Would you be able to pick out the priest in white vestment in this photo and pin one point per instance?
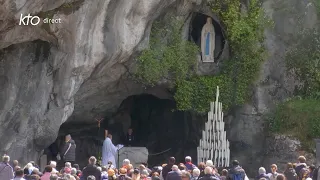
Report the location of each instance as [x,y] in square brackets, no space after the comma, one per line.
[109,151]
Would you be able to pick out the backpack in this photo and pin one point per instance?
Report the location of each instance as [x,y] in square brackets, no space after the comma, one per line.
[237,176]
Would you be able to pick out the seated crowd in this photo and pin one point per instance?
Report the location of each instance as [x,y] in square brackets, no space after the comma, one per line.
[170,171]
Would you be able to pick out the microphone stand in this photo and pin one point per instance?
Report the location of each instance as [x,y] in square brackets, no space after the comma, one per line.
[118,164]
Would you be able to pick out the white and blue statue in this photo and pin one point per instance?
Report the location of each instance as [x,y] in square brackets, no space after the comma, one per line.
[208,41]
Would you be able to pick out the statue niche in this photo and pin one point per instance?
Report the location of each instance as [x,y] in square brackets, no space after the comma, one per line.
[208,41]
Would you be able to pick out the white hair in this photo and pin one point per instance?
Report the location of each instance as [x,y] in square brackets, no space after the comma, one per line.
[196,172]
[262,170]
[175,168]
[53,164]
[208,170]
[126,162]
[209,163]
[29,165]
[67,164]
[36,170]
[187,158]
[99,168]
[6,158]
[73,171]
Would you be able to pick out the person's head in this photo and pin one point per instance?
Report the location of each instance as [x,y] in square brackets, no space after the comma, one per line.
[209,20]
[99,168]
[54,177]
[130,131]
[235,163]
[187,159]
[5,159]
[19,173]
[224,172]
[123,171]
[209,163]
[201,165]
[302,159]
[48,169]
[15,162]
[67,170]
[35,171]
[274,168]
[125,162]
[175,168]
[262,170]
[172,160]
[136,171]
[185,175]
[29,165]
[196,172]
[312,168]
[289,165]
[53,164]
[155,174]
[67,164]
[35,177]
[76,166]
[144,173]
[92,160]
[68,138]
[280,177]
[91,177]
[129,167]
[104,168]
[181,166]
[111,172]
[208,170]
[16,168]
[142,167]
[73,171]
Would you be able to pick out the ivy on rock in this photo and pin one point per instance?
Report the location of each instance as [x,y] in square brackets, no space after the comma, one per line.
[169,57]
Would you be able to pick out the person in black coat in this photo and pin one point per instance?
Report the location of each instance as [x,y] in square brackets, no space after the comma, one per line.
[130,139]
[91,169]
[68,150]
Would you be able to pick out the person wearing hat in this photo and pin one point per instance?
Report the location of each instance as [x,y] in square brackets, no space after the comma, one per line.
[123,174]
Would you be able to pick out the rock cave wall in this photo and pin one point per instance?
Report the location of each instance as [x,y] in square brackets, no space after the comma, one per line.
[80,69]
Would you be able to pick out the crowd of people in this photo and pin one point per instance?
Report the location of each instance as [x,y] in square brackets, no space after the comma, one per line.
[170,171]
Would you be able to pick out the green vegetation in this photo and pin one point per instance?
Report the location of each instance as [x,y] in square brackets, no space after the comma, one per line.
[299,118]
[175,59]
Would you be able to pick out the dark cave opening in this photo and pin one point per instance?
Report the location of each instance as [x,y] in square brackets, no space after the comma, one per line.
[158,126]
[198,21]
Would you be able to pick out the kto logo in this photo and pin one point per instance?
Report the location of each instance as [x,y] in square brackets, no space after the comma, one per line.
[34,20]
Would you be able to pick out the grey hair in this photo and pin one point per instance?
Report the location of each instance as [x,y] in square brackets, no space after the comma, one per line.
[262,170]
[196,172]
[54,177]
[188,158]
[73,171]
[209,163]
[68,135]
[175,168]
[126,162]
[36,170]
[6,158]
[53,164]
[67,164]
[91,178]
[99,168]
[208,170]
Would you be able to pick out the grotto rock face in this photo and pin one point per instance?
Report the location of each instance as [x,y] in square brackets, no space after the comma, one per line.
[78,64]
[248,127]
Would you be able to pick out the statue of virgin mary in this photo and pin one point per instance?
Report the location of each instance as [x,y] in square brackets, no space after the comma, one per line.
[208,41]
